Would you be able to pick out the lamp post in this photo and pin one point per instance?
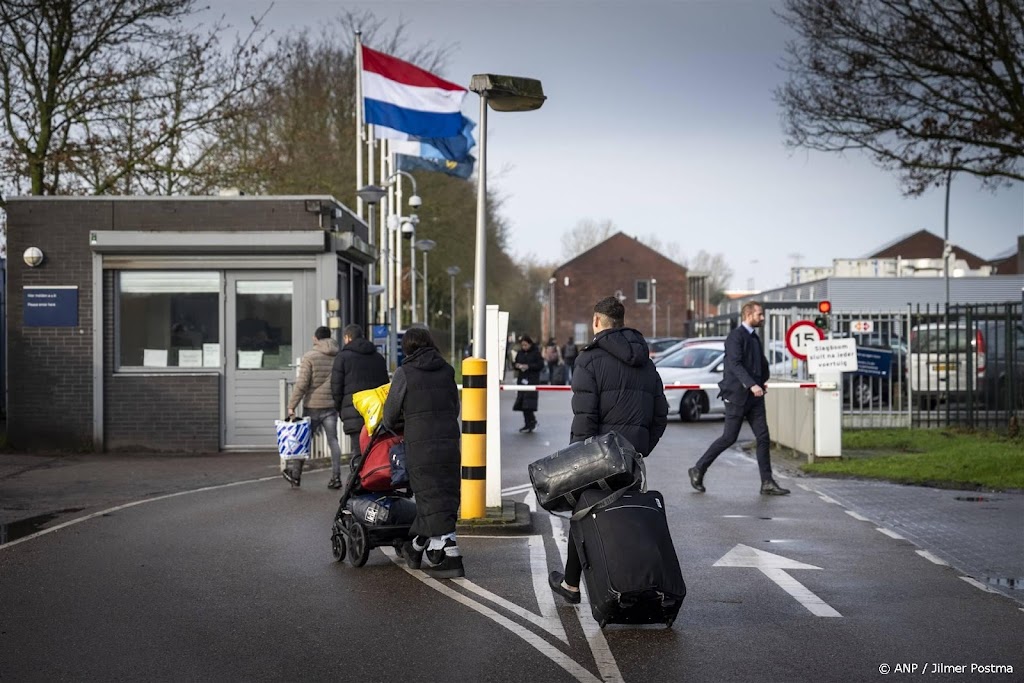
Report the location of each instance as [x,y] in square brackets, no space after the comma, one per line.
[452,272]
[654,307]
[503,93]
[405,226]
[468,284]
[552,320]
[946,249]
[409,233]
[425,246]
[371,195]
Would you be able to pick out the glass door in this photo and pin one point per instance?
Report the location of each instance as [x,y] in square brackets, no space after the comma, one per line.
[264,342]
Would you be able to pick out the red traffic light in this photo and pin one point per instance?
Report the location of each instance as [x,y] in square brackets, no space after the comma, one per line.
[825,307]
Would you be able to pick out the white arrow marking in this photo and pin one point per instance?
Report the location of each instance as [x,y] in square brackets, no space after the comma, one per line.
[773,566]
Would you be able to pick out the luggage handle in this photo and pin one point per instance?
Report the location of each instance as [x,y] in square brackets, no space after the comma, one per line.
[639,477]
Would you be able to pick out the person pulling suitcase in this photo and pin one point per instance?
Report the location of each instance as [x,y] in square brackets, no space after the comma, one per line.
[617,358]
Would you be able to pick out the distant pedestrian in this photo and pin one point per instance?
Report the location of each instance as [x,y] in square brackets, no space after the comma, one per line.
[313,389]
[552,360]
[423,403]
[569,353]
[742,389]
[357,367]
[528,366]
[616,388]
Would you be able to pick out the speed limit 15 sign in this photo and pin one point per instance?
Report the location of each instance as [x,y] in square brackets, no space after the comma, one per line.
[799,335]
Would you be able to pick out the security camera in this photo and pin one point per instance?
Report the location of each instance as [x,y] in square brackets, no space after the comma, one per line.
[415,201]
[408,229]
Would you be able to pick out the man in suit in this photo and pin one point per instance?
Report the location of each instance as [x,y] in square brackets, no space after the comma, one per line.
[742,389]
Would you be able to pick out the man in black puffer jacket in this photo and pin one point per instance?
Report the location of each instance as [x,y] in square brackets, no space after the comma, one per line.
[357,367]
[615,388]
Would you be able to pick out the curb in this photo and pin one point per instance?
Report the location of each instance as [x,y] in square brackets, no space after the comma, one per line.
[511,519]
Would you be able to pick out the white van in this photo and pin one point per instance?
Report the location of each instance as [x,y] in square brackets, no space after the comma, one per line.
[945,360]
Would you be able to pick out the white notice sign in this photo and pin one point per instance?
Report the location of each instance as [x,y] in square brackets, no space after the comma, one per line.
[831,355]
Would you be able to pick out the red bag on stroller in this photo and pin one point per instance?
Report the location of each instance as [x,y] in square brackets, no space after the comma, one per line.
[375,474]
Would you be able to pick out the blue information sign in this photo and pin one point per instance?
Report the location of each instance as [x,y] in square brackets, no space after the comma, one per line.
[874,362]
[51,306]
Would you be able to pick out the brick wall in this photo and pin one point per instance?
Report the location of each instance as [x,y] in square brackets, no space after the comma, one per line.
[616,264]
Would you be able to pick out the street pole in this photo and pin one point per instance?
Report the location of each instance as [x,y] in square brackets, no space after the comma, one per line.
[552,320]
[654,307]
[452,272]
[480,260]
[945,241]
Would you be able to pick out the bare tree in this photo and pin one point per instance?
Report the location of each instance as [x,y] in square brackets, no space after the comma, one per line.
[715,267]
[115,95]
[587,234]
[921,86]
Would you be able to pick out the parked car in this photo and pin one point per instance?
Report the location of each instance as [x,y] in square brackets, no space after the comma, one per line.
[659,345]
[688,341]
[693,364]
[704,363]
[952,362]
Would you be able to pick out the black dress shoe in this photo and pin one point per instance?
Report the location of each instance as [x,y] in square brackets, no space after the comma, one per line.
[555,581]
[525,428]
[770,488]
[696,479]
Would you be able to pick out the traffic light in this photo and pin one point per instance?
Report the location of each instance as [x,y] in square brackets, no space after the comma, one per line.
[821,321]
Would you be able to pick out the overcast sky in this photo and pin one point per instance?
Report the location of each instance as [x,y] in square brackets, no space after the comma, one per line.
[660,118]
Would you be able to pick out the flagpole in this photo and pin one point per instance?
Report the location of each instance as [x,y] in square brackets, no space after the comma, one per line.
[359,128]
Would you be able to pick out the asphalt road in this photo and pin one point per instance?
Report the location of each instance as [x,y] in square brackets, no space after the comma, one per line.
[237,583]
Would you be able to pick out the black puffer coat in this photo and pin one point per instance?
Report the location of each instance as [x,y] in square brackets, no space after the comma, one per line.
[424,395]
[616,388]
[527,400]
[357,367]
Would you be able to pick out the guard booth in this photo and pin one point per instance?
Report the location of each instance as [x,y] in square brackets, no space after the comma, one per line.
[168,323]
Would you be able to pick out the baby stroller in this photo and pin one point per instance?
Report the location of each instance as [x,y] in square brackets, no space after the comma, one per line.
[375,507]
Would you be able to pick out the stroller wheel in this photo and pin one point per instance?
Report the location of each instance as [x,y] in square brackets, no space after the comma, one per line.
[360,548]
[337,543]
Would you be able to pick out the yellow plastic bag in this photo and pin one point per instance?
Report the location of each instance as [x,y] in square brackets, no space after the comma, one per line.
[370,404]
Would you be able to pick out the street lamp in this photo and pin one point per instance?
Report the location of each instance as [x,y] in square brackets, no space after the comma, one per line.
[403,226]
[946,248]
[371,195]
[552,320]
[452,272]
[503,93]
[468,284]
[654,307]
[425,246]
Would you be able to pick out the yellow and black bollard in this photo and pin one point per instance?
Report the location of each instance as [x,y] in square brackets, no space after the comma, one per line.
[474,438]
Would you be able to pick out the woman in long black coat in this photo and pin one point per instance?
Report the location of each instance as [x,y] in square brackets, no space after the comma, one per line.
[425,398]
[528,365]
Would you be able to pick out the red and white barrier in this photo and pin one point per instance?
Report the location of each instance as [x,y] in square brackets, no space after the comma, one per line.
[561,387]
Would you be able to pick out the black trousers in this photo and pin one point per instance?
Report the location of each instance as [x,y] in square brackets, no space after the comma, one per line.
[573,566]
[753,412]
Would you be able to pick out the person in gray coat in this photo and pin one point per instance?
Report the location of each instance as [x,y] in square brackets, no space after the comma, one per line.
[313,389]
[423,403]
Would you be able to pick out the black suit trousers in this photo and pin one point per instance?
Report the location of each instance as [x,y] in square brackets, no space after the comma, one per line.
[753,411]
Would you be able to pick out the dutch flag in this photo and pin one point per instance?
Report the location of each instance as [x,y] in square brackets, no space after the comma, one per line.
[404,97]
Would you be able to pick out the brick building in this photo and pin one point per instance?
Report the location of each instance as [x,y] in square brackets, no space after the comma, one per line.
[654,289]
[168,323]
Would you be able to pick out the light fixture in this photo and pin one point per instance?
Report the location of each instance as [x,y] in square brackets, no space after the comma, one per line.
[371,194]
[33,257]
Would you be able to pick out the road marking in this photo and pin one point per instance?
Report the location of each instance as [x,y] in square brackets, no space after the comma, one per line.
[512,490]
[860,518]
[828,500]
[773,566]
[538,643]
[606,664]
[125,506]
[890,534]
[735,516]
[980,586]
[931,558]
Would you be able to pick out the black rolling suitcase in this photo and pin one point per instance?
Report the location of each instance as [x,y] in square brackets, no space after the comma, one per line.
[629,561]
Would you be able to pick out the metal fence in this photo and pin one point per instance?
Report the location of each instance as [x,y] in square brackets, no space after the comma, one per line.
[922,367]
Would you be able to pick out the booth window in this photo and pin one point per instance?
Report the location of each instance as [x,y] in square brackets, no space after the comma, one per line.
[168,319]
[263,328]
